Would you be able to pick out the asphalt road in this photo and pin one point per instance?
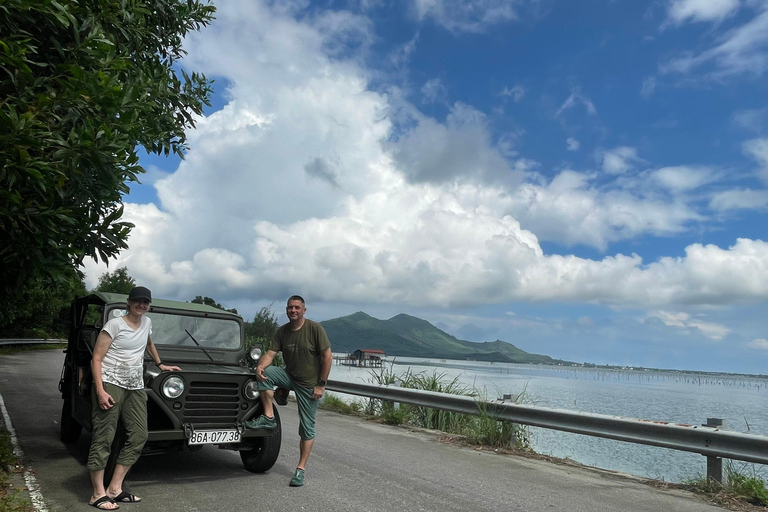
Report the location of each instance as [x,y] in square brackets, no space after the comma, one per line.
[355,466]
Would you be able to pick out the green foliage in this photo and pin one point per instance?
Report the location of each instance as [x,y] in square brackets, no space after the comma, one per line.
[116,282]
[742,483]
[263,344]
[83,86]
[333,403]
[211,302]
[11,500]
[41,308]
[481,429]
[264,324]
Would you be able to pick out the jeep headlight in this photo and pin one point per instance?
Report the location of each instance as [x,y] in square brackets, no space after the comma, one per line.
[173,387]
[255,354]
[251,390]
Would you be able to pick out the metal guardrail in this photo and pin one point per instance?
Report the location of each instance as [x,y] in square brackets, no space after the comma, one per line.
[713,442]
[30,341]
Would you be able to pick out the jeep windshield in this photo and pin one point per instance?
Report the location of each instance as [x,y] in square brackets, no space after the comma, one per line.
[179,330]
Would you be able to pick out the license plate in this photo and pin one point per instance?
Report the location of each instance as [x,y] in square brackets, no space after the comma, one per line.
[214,437]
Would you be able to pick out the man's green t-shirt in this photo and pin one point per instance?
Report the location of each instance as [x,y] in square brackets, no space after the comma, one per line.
[302,351]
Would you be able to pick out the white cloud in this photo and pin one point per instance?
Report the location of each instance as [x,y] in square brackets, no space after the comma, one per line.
[516,93]
[683,178]
[758,149]
[743,49]
[298,183]
[759,343]
[434,90]
[474,16]
[619,160]
[572,144]
[572,210]
[680,11]
[736,199]
[574,99]
[711,330]
[459,149]
[648,87]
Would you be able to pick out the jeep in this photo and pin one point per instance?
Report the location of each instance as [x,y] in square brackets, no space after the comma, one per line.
[204,404]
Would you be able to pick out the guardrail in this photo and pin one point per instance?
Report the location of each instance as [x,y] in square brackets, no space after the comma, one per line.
[711,441]
[30,341]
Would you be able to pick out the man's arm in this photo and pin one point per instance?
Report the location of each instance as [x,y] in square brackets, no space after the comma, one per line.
[325,371]
[265,361]
[152,349]
[103,343]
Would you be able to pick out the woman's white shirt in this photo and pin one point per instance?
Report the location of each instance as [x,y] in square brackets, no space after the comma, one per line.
[123,365]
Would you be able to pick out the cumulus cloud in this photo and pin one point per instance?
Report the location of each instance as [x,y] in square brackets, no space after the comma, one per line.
[299,183]
[680,11]
[462,148]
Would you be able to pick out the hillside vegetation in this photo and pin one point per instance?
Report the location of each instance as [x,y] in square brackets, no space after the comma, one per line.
[408,336]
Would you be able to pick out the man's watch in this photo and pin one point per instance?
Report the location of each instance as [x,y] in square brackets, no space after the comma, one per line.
[322,383]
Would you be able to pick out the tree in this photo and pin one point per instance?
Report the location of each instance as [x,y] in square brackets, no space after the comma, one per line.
[84,85]
[211,302]
[116,282]
[264,325]
[41,310]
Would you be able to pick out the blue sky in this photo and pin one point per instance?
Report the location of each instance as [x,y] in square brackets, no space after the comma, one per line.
[586,180]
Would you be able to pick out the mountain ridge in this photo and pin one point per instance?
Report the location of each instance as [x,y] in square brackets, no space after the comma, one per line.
[409,336]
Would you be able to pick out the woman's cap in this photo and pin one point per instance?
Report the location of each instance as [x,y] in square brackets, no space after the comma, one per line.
[140,292]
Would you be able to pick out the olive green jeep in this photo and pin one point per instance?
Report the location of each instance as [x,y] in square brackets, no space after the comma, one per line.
[204,404]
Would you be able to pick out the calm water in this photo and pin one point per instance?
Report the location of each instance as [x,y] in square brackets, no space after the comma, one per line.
[663,396]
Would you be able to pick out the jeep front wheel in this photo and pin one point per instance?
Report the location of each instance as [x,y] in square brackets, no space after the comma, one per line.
[263,451]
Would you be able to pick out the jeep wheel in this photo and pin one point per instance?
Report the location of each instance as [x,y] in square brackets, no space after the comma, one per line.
[69,428]
[264,450]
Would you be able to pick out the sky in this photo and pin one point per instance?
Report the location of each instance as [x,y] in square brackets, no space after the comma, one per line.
[586,180]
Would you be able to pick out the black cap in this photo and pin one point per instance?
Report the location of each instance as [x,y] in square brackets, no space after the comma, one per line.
[140,292]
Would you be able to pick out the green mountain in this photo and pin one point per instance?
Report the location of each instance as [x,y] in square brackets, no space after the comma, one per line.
[408,336]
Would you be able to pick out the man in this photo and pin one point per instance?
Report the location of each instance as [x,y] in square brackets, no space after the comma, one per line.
[308,359]
[118,392]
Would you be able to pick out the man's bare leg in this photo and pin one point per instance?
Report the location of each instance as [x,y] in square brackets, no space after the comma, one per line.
[97,481]
[266,401]
[305,448]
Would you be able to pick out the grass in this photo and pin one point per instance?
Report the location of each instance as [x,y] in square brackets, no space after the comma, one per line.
[11,500]
[481,429]
[742,484]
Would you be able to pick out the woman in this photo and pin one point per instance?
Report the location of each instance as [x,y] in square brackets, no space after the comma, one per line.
[118,393]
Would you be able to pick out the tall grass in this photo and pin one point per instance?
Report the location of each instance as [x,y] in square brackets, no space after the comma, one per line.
[481,429]
[741,483]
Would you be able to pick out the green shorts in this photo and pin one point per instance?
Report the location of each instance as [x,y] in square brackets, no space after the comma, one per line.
[307,405]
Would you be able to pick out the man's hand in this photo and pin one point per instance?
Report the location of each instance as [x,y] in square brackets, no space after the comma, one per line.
[105,400]
[168,368]
[317,392]
[260,374]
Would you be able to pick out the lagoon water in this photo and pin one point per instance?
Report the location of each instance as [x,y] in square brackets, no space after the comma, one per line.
[742,401]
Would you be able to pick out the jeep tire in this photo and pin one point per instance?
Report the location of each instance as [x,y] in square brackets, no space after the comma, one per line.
[264,450]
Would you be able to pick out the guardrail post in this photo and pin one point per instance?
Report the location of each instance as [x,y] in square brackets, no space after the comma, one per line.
[715,464]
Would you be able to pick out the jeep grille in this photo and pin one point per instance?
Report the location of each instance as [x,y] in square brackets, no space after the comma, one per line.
[212,403]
